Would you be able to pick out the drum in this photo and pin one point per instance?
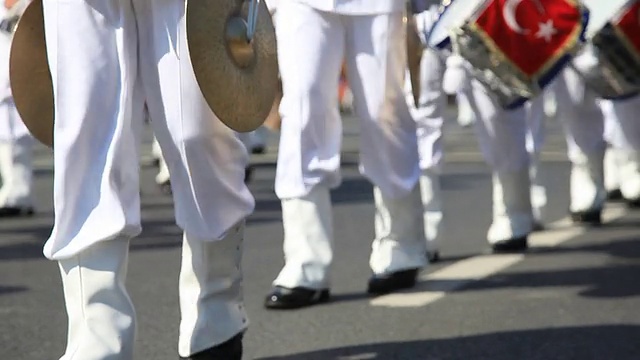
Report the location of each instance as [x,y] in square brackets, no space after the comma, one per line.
[514,47]
[610,65]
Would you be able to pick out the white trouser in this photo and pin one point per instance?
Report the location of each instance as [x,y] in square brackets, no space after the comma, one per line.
[253,139]
[105,63]
[308,237]
[429,117]
[102,320]
[466,116]
[583,123]
[16,158]
[535,140]
[163,170]
[311,48]
[502,140]
[622,132]
[156,151]
[107,57]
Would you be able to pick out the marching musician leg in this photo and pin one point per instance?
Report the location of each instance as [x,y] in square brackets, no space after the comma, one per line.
[624,137]
[502,139]
[16,168]
[584,130]
[310,54]
[206,162]
[612,135]
[429,117]
[102,320]
[535,141]
[96,194]
[211,297]
[465,113]
[388,147]
[308,250]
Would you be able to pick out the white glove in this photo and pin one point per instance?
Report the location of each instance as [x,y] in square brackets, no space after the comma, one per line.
[587,61]
[424,22]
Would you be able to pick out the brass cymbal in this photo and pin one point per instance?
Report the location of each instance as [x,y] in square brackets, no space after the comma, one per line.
[239,79]
[414,53]
[29,74]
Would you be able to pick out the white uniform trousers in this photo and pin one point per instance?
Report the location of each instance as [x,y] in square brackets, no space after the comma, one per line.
[107,57]
[429,117]
[582,120]
[16,158]
[311,47]
[502,140]
[622,132]
[535,118]
[465,116]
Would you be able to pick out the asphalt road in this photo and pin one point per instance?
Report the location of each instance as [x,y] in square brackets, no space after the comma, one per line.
[574,295]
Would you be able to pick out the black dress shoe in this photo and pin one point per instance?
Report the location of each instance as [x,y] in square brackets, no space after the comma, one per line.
[633,204]
[510,246]
[165,187]
[614,195]
[228,350]
[286,298]
[259,150]
[590,218]
[433,256]
[537,226]
[386,283]
[16,211]
[248,173]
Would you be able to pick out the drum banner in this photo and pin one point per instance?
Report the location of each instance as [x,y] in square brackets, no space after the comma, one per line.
[628,27]
[533,35]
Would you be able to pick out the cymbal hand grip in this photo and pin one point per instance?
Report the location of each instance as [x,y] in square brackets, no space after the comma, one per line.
[238,42]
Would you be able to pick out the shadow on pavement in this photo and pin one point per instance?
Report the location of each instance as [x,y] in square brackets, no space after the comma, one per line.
[5,290]
[619,342]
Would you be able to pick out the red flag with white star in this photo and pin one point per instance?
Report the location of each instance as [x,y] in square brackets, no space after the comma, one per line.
[532,34]
[629,25]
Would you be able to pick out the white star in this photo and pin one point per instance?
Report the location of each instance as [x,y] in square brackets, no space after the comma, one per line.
[546,31]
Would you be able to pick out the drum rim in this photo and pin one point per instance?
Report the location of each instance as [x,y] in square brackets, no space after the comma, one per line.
[446,42]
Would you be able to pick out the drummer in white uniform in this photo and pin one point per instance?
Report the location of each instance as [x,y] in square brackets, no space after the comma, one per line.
[312,43]
[503,131]
[622,160]
[579,109]
[16,143]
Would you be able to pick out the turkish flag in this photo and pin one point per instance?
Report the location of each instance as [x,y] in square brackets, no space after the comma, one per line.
[532,34]
[629,26]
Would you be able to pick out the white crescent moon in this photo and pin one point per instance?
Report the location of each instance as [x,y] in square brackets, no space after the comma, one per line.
[509,14]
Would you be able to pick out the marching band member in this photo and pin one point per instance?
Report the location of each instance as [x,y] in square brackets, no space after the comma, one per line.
[16,143]
[312,43]
[622,132]
[535,121]
[106,58]
[582,120]
[429,117]
[502,140]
